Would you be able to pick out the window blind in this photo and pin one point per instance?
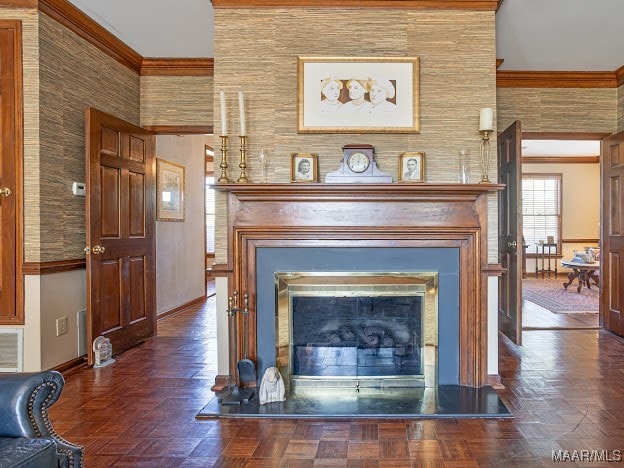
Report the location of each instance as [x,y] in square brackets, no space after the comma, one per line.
[541,209]
[210,216]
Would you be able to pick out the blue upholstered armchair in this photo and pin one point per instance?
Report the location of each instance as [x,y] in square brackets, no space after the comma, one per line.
[27,438]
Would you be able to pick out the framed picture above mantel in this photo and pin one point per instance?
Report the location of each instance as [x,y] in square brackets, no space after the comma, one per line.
[358,95]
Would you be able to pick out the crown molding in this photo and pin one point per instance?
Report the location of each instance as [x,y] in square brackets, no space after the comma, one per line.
[499,62]
[500,2]
[154,66]
[75,20]
[19,3]
[386,4]
[619,75]
[554,79]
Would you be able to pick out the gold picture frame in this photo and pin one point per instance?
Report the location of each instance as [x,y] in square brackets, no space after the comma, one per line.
[412,167]
[358,95]
[304,167]
[169,191]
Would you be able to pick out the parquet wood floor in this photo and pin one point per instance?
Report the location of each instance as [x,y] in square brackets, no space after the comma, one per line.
[535,317]
[565,388]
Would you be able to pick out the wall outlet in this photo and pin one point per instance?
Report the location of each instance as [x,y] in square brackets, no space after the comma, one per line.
[61,326]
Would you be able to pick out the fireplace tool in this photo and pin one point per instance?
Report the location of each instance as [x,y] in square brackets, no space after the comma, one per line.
[246,367]
[233,394]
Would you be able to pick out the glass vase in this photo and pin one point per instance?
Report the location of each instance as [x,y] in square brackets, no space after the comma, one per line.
[463,175]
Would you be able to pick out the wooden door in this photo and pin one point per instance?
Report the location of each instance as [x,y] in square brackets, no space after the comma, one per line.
[510,232]
[612,233]
[121,276]
[10,56]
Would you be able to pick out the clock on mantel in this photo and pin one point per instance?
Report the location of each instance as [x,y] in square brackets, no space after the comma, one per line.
[358,165]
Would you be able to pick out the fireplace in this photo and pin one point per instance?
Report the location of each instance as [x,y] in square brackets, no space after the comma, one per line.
[405,228]
[356,329]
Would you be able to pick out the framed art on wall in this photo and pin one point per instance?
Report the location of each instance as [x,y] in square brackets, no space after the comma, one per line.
[412,167]
[169,191]
[304,167]
[358,95]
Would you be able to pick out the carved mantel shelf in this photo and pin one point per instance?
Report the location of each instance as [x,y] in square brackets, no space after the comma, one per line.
[368,215]
[407,188]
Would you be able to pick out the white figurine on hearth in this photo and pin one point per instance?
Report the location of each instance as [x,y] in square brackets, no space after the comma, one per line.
[272,386]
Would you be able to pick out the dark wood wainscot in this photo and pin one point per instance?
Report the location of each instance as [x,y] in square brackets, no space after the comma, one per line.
[366,215]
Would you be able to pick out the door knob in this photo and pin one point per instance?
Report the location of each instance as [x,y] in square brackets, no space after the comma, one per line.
[512,244]
[97,249]
[5,192]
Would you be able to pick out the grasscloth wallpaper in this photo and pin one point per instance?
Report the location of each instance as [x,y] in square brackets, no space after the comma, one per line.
[256,51]
[73,76]
[30,72]
[620,109]
[558,109]
[176,100]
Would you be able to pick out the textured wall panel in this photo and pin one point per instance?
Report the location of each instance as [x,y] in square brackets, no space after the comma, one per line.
[457,78]
[176,100]
[73,76]
[558,110]
[30,64]
[620,109]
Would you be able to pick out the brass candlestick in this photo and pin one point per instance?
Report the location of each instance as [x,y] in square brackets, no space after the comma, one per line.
[243,160]
[224,165]
[485,157]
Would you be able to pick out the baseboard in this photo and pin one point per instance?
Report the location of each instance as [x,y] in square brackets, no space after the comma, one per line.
[494,381]
[221,381]
[179,308]
[71,366]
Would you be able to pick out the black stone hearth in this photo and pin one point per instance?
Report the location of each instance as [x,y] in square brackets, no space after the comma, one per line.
[445,401]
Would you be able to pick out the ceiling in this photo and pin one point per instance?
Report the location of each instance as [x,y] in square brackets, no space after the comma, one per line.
[157,28]
[569,148]
[558,35]
[550,35]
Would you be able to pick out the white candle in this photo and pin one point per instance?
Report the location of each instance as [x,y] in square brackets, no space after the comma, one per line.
[223,115]
[241,109]
[486,119]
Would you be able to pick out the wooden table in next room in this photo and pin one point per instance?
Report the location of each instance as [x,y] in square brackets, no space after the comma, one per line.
[584,272]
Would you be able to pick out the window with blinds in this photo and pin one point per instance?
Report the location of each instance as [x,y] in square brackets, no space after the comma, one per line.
[210,216]
[541,209]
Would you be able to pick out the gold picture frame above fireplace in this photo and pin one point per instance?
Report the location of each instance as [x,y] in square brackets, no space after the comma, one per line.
[304,167]
[412,167]
[358,95]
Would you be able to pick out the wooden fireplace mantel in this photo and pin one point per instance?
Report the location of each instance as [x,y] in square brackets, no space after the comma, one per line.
[303,188]
[368,215]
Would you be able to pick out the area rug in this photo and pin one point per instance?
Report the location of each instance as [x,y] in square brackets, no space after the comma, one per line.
[550,294]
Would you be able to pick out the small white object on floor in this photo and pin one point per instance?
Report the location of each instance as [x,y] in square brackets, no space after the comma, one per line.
[272,387]
[103,350]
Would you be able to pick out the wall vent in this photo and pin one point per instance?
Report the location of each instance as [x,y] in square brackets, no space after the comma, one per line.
[82,332]
[11,348]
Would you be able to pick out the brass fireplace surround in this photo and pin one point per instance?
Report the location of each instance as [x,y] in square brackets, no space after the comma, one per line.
[357,284]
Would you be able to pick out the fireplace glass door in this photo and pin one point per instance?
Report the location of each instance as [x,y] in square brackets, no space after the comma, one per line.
[357,329]
[357,336]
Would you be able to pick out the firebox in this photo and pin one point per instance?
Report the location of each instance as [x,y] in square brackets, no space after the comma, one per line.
[357,329]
